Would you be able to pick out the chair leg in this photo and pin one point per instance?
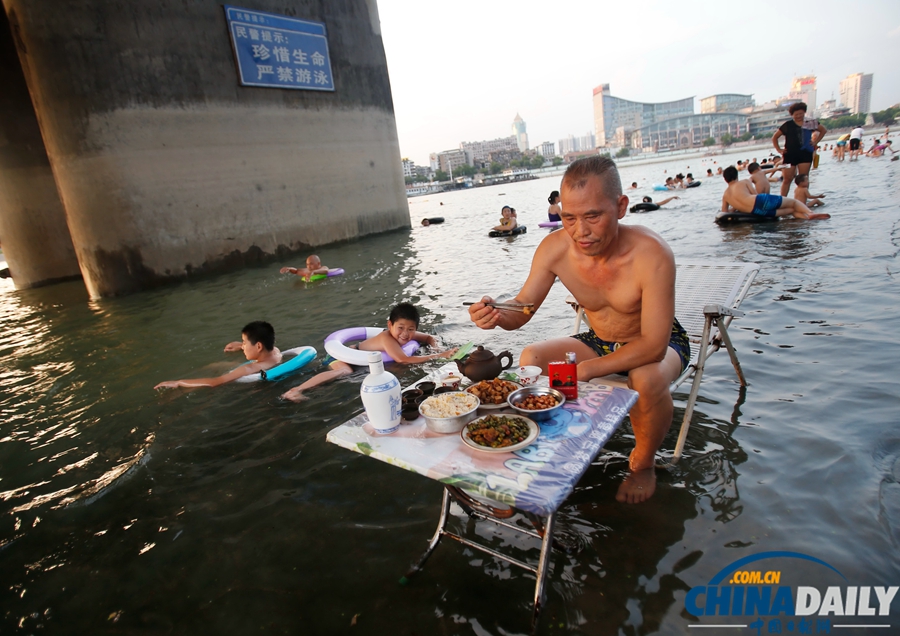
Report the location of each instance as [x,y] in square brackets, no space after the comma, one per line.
[695,390]
[723,332]
[579,316]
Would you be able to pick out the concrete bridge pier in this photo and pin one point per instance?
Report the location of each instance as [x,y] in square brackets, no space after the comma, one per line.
[33,229]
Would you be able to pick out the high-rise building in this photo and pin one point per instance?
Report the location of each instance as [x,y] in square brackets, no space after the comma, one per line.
[856,92]
[576,144]
[409,167]
[725,103]
[518,130]
[804,89]
[611,113]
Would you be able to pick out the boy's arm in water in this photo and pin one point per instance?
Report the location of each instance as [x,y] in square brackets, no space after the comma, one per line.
[240,372]
[233,346]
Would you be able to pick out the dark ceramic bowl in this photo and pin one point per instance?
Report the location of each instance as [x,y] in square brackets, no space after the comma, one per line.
[444,389]
[426,387]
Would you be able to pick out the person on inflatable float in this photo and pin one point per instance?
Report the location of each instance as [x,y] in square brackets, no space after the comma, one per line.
[257,343]
[313,266]
[402,326]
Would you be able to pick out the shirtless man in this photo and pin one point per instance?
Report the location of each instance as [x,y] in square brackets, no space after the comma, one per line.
[624,277]
[740,196]
[313,266]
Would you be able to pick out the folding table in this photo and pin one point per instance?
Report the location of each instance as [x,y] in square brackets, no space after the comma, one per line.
[533,481]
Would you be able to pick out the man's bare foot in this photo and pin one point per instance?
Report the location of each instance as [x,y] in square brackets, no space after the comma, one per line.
[819,216]
[638,486]
[294,396]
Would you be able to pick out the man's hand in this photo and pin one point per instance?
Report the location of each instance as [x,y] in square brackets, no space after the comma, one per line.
[288,270]
[483,315]
[233,346]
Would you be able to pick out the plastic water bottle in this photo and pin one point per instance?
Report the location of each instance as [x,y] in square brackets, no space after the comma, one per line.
[380,394]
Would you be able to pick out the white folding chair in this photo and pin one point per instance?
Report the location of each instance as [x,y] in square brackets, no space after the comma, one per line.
[707,297]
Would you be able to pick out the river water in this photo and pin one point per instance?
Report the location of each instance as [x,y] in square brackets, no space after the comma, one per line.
[225,511]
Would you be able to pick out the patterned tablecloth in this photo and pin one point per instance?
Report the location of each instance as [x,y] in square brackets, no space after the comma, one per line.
[536,479]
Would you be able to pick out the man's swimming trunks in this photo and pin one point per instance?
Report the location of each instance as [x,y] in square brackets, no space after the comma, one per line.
[767,204]
[854,144]
[678,341]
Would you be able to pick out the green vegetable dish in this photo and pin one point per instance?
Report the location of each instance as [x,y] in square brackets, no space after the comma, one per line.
[498,431]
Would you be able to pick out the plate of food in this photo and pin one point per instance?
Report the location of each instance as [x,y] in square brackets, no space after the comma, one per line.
[493,393]
[499,433]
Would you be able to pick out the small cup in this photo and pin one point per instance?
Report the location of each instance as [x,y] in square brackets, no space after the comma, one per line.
[426,387]
[528,375]
[451,380]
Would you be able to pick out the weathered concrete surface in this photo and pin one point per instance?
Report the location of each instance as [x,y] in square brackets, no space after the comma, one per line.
[33,230]
[167,166]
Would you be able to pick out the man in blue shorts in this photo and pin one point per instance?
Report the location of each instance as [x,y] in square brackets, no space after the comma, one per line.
[741,196]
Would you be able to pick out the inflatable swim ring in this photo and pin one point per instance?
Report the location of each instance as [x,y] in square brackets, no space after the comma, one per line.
[519,229]
[643,207]
[337,271]
[660,187]
[693,184]
[550,224]
[434,220]
[301,357]
[725,218]
[334,345]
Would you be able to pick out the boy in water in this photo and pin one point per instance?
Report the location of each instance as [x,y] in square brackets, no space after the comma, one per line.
[313,266]
[257,343]
[402,326]
[759,178]
[507,222]
[801,192]
[740,196]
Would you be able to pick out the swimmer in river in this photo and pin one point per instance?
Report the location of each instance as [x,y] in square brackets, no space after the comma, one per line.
[258,344]
[758,177]
[313,266]
[633,185]
[741,196]
[507,222]
[554,209]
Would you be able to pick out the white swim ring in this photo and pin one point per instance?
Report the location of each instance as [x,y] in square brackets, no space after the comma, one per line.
[335,347]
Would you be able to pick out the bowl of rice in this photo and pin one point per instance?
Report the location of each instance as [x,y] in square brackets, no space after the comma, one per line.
[449,412]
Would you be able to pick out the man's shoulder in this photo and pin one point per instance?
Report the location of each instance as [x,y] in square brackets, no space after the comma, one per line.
[650,244]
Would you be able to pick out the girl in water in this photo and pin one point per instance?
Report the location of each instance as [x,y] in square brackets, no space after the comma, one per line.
[555,209]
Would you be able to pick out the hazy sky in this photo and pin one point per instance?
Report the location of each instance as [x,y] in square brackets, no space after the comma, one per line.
[461,70]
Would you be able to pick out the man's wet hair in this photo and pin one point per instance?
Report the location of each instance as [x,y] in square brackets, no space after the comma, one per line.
[261,332]
[406,311]
[798,106]
[578,173]
[647,200]
[753,167]
[800,178]
[690,175]
[730,174]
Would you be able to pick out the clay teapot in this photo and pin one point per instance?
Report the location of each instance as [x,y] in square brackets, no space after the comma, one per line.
[481,364]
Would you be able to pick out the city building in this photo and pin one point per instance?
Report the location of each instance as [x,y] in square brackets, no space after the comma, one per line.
[766,119]
[726,103]
[831,108]
[409,167]
[610,113]
[803,89]
[686,131]
[547,149]
[856,92]
[518,130]
[477,152]
[575,144]
[448,160]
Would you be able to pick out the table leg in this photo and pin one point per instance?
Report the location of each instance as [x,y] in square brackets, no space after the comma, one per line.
[543,566]
[442,523]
